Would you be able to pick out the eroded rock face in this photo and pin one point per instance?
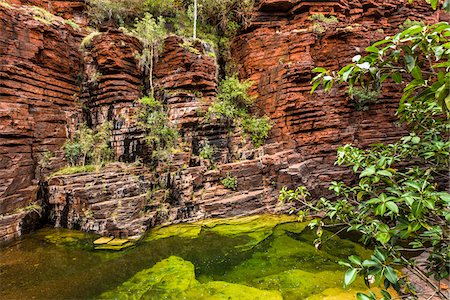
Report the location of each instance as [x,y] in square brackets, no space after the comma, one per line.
[68,9]
[281,47]
[42,71]
[39,66]
[113,82]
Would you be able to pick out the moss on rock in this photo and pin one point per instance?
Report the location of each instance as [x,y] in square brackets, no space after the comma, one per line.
[174,278]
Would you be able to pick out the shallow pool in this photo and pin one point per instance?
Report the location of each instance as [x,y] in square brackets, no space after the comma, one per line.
[258,257]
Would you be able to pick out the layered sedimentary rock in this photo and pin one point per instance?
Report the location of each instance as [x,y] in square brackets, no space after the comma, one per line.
[68,9]
[113,82]
[42,71]
[39,66]
[125,200]
[285,42]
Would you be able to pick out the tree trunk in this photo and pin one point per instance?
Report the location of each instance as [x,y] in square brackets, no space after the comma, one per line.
[195,20]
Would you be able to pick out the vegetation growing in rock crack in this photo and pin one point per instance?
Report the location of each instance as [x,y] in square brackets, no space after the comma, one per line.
[161,135]
[218,20]
[399,202]
[230,182]
[233,106]
[207,152]
[321,23]
[151,33]
[88,146]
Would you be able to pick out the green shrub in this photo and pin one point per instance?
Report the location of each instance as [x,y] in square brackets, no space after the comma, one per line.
[121,12]
[150,32]
[230,182]
[87,146]
[398,202]
[34,207]
[45,158]
[233,90]
[363,97]
[207,151]
[321,22]
[42,15]
[161,135]
[257,129]
[164,8]
[227,15]
[233,105]
[410,23]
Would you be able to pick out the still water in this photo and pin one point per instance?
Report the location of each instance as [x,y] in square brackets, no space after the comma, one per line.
[258,257]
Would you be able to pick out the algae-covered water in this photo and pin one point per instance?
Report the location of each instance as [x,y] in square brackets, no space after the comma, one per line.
[258,257]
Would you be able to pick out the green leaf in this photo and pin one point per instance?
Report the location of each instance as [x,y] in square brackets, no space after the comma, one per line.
[386,295]
[392,207]
[378,254]
[319,70]
[384,173]
[355,259]
[362,296]
[417,208]
[390,275]
[380,209]
[429,203]
[441,92]
[350,276]
[434,4]
[344,263]
[397,77]
[413,184]
[372,49]
[369,263]
[314,87]
[445,197]
[383,237]
[409,62]
[367,172]
[416,73]
[447,103]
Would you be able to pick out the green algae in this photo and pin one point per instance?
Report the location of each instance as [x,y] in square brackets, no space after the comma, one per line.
[174,278]
[257,228]
[270,257]
[103,240]
[180,230]
[67,238]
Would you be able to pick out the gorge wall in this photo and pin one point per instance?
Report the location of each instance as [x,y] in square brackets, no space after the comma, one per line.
[48,85]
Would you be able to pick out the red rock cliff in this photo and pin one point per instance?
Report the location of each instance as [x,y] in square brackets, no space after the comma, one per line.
[39,69]
[42,72]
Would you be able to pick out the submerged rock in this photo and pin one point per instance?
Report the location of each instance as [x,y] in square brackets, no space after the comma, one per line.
[174,278]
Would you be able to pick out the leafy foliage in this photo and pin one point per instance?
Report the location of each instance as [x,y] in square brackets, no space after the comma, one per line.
[227,15]
[363,97]
[233,105]
[150,32]
[230,182]
[207,151]
[321,23]
[401,57]
[161,136]
[399,202]
[88,146]
[120,12]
